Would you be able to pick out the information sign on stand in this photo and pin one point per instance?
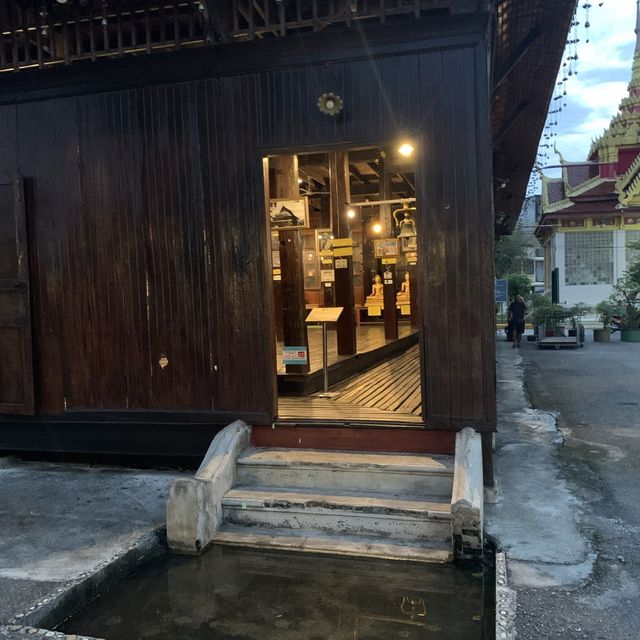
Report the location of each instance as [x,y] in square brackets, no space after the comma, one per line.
[324,315]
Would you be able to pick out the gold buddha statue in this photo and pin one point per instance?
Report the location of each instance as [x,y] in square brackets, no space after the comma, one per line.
[403,296]
[376,299]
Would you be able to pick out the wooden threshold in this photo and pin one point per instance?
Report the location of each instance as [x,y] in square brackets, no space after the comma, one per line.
[380,437]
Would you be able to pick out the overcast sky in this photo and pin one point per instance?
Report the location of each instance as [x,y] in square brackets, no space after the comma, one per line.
[604,71]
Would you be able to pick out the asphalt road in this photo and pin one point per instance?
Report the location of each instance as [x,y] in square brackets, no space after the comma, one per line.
[595,393]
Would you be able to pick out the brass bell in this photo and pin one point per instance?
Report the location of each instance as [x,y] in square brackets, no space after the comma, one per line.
[406,225]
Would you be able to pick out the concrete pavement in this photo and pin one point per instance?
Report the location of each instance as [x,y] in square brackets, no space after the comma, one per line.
[62,523]
[567,509]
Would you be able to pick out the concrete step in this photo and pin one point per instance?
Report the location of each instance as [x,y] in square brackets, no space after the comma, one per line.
[345,514]
[337,545]
[394,474]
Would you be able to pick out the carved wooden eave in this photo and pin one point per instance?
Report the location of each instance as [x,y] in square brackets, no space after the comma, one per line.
[37,35]
[530,41]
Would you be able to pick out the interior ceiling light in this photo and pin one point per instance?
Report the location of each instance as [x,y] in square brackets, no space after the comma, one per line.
[351,214]
[377,228]
[405,149]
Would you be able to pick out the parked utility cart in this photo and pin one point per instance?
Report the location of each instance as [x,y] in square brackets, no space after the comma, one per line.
[564,331]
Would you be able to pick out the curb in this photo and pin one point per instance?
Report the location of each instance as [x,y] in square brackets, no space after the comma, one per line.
[506,602]
[16,631]
[52,609]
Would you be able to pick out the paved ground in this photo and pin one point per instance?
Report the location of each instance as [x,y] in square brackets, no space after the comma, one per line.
[568,508]
[58,522]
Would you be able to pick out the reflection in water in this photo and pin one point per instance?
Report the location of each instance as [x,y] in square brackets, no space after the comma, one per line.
[241,593]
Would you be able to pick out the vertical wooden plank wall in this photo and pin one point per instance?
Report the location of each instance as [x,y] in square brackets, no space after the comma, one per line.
[149,232]
[456,236]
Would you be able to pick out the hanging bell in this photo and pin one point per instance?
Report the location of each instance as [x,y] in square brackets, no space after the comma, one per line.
[407,227]
[408,230]
[406,224]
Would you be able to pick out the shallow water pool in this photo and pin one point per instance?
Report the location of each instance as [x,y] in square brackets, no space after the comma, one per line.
[249,594]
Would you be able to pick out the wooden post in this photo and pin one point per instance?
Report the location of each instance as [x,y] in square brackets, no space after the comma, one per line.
[390,313]
[294,328]
[328,293]
[268,177]
[414,292]
[343,286]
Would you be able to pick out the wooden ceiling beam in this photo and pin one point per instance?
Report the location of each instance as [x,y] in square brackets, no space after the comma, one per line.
[356,172]
[510,121]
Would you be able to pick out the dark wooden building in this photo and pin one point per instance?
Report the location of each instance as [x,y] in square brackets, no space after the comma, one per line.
[135,308]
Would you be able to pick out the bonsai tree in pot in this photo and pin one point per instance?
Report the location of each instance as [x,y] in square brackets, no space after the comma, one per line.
[606,311]
[577,312]
[626,294]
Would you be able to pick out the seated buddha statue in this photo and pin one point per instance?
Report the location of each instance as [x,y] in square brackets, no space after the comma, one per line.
[403,296]
[376,299]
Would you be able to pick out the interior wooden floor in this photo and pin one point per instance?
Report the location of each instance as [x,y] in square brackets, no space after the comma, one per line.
[387,393]
[368,337]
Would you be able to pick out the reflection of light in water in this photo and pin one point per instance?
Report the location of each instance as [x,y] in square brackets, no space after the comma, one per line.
[413,607]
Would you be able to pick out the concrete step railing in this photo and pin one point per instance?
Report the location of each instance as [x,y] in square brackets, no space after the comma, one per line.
[194,510]
[467,497]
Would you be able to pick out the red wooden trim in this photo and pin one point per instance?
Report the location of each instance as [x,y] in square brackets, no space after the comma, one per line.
[396,439]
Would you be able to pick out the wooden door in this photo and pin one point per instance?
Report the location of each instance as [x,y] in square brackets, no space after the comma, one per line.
[16,364]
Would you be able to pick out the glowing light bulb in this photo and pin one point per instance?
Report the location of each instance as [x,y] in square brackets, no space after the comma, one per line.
[377,228]
[405,149]
[351,214]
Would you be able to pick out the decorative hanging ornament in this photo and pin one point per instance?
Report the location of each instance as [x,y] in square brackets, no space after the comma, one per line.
[330,104]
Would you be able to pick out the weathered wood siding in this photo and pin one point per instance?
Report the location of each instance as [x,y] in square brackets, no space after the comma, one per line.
[147,228]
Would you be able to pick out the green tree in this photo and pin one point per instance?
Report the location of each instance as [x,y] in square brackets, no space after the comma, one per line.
[511,252]
[519,284]
[626,292]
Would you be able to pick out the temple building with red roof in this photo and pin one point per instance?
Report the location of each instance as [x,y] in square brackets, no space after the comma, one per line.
[591,215]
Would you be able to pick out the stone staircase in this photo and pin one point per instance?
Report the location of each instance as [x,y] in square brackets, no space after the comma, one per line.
[383,505]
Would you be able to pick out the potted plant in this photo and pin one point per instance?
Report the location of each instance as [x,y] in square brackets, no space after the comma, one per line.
[606,311]
[626,295]
[577,312]
[545,311]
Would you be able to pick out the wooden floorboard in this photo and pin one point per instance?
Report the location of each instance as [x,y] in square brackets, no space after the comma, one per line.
[388,392]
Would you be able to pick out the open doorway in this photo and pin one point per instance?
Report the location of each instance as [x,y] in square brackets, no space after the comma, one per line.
[343,233]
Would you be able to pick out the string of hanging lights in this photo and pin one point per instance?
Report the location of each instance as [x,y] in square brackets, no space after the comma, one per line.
[568,72]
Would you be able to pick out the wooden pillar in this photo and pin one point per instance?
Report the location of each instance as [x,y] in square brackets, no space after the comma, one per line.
[294,328]
[390,313]
[386,219]
[343,286]
[414,293]
[268,177]
[328,292]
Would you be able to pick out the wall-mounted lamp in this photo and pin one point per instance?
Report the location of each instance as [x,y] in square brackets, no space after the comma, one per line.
[351,214]
[377,228]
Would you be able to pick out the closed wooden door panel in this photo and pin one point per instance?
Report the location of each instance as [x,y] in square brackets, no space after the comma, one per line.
[16,365]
